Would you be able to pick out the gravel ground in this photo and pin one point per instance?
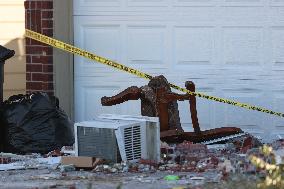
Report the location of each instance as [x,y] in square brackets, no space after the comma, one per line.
[45,178]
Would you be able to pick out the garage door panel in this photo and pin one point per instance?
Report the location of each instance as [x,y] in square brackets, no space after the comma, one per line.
[90,4]
[105,35]
[234,116]
[92,99]
[201,10]
[145,46]
[278,132]
[186,3]
[275,125]
[89,92]
[222,80]
[90,95]
[277,3]
[244,119]
[109,38]
[243,3]
[147,3]
[205,108]
[243,45]
[277,100]
[276,14]
[204,115]
[278,46]
[195,15]
[123,80]
[95,7]
[193,46]
[243,15]
[205,112]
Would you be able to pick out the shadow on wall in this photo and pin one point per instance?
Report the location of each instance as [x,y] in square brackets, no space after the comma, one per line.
[15,69]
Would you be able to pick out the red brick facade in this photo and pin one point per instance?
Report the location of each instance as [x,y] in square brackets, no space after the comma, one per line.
[39,57]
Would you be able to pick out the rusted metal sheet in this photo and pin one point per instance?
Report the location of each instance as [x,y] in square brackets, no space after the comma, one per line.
[131,93]
[173,136]
[147,94]
[164,105]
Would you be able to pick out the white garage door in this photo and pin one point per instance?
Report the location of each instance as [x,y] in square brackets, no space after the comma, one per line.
[229,48]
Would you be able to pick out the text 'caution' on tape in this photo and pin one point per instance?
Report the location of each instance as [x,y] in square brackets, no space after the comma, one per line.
[74,50]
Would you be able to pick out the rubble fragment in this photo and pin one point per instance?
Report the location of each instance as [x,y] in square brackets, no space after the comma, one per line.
[11,166]
[171,177]
[79,162]
[67,168]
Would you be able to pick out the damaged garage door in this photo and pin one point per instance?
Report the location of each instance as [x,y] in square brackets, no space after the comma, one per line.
[231,49]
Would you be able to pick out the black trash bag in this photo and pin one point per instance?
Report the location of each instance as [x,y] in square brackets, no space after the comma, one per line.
[2,135]
[34,123]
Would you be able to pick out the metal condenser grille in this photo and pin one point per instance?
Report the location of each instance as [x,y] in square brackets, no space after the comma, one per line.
[132,139]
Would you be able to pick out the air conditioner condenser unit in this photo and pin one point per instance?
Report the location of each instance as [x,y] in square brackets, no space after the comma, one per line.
[114,140]
[152,148]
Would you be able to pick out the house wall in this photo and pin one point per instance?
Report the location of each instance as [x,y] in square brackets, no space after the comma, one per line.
[63,62]
[39,58]
[50,70]
[12,24]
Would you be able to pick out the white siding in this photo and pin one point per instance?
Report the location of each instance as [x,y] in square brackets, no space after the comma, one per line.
[12,24]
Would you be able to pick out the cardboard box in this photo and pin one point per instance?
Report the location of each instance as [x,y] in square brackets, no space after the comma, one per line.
[79,162]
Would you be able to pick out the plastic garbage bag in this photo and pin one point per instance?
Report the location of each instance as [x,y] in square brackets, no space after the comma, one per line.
[34,123]
[1,131]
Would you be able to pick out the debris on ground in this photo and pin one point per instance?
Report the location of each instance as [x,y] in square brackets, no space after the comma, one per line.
[81,162]
[183,165]
[171,177]
[173,165]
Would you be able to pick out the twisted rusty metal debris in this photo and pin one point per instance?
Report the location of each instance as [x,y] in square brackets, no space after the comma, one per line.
[161,102]
[147,94]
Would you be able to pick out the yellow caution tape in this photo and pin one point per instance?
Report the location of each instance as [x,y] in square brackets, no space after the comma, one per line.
[74,50]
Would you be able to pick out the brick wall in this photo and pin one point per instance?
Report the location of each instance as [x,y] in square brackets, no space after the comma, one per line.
[39,57]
